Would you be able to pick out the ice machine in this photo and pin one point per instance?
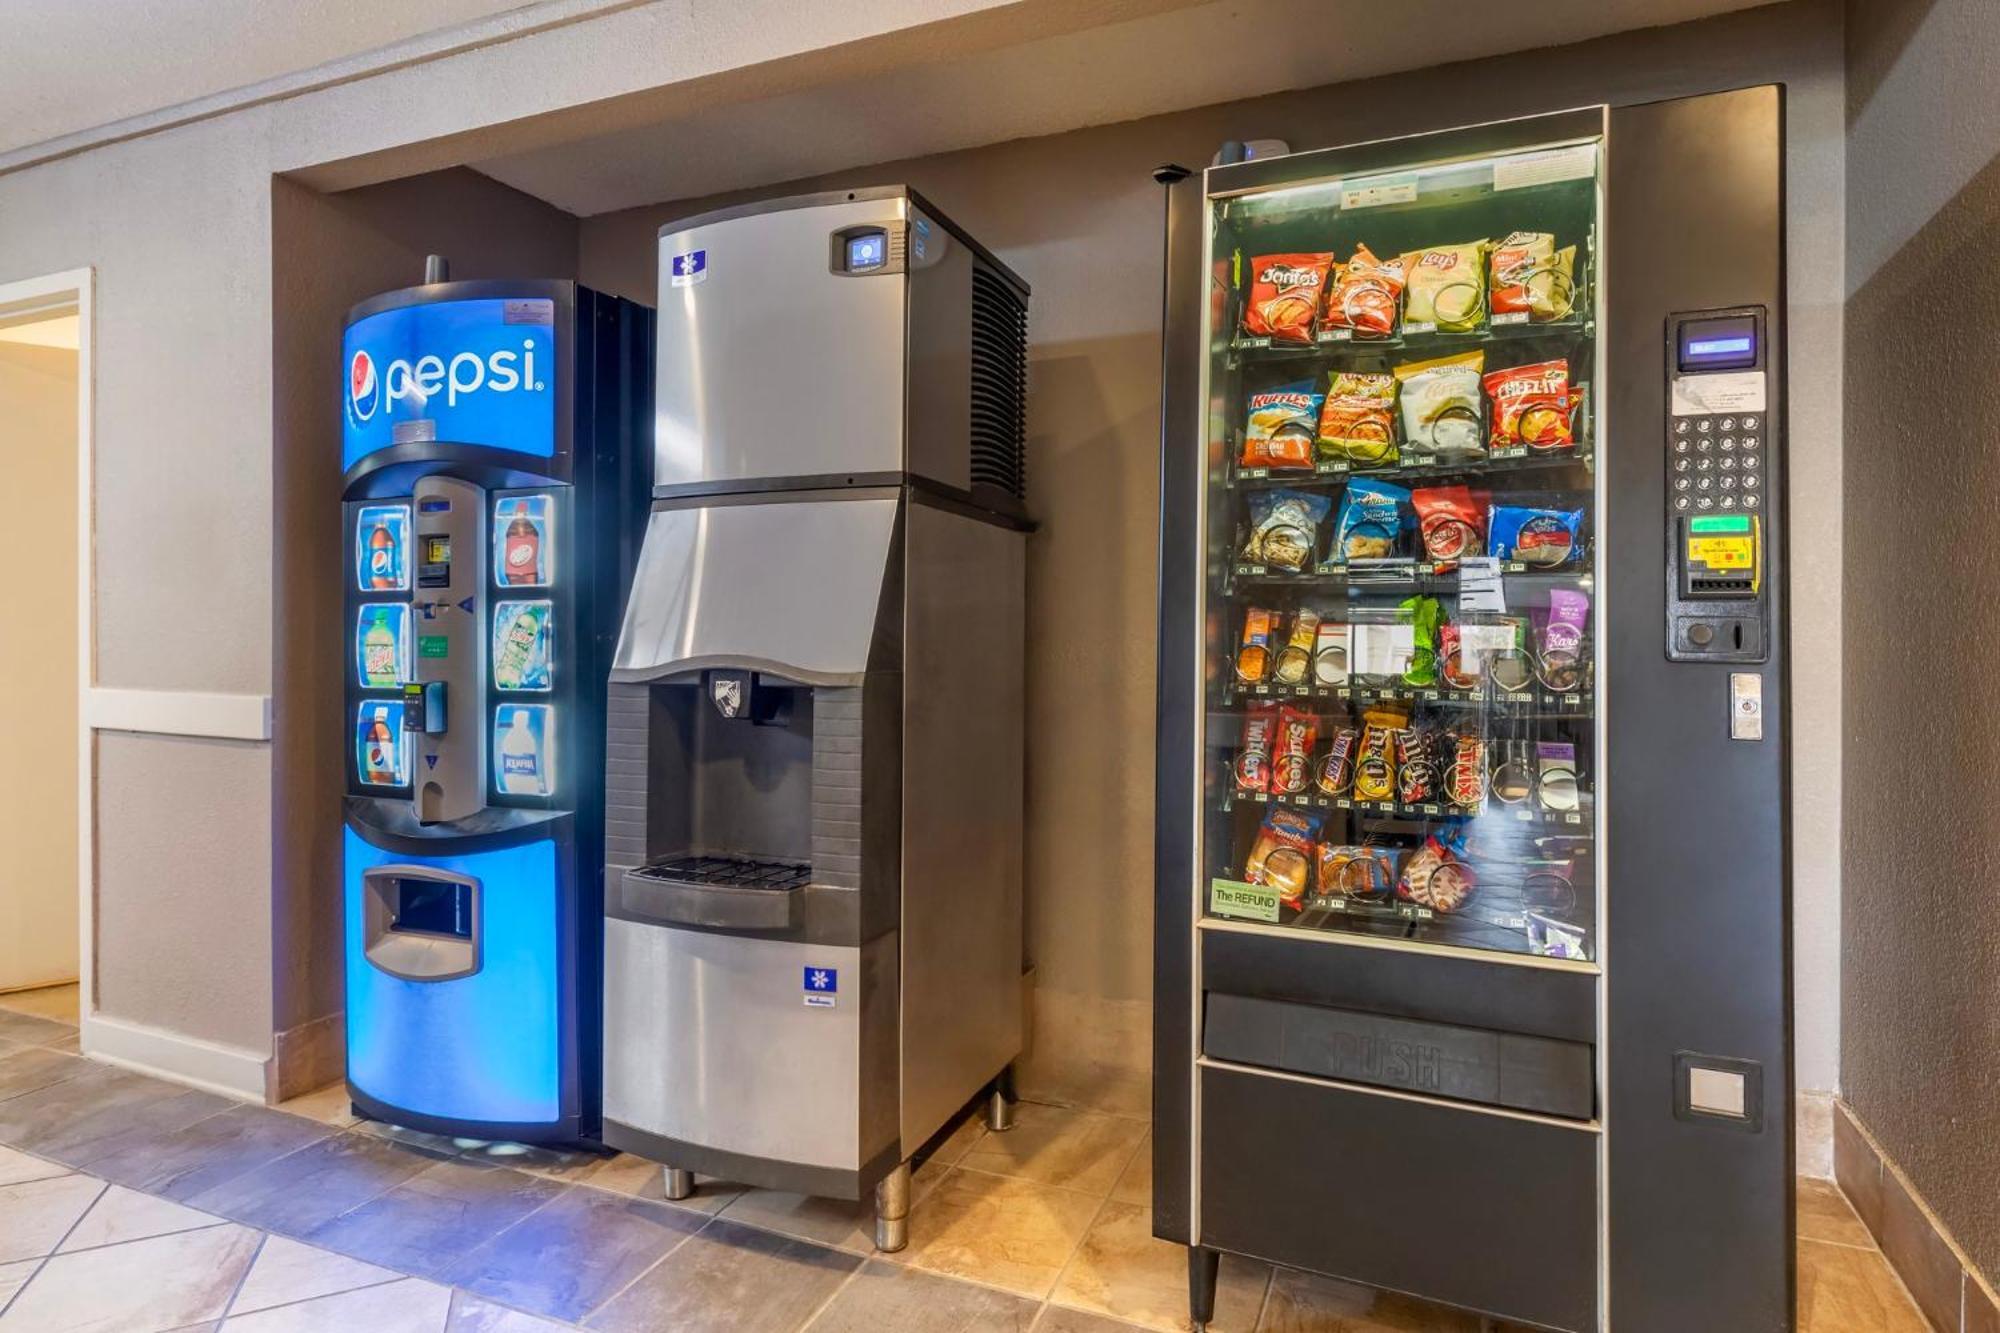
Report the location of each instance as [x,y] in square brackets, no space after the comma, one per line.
[494,473]
[1472,889]
[814,844]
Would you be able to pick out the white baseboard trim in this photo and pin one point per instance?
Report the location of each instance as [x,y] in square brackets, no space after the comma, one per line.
[240,717]
[231,1071]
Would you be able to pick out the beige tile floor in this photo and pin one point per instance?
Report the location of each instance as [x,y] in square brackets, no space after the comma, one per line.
[1045,1228]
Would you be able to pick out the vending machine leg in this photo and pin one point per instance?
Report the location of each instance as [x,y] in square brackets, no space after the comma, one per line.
[676,1183]
[892,1210]
[1000,1102]
[1202,1265]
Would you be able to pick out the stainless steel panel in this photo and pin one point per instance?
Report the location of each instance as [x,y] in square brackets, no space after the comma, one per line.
[708,1040]
[790,587]
[771,364]
[940,345]
[962,807]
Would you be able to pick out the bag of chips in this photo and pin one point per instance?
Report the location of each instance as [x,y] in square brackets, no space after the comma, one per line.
[1436,875]
[1447,288]
[1530,405]
[1441,404]
[1252,769]
[1295,658]
[1364,295]
[1282,854]
[1285,292]
[1358,422]
[1532,279]
[1284,529]
[1544,538]
[1423,615]
[1371,520]
[1253,659]
[1279,427]
[1450,522]
[1291,758]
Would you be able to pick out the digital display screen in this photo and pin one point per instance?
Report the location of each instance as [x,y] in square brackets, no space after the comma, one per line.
[867,251]
[1728,342]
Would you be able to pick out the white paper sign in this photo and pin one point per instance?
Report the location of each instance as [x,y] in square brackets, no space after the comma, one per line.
[1480,591]
[1702,395]
[1382,650]
[1374,191]
[1577,162]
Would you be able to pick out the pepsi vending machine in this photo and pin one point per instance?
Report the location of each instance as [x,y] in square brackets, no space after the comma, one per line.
[495,477]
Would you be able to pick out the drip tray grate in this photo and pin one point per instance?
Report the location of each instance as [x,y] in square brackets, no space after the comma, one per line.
[736,872]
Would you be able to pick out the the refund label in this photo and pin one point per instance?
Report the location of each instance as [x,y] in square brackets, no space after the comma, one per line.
[1251,902]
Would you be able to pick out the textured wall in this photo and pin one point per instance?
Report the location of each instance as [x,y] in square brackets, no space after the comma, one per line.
[1920,1039]
[38,786]
[1079,217]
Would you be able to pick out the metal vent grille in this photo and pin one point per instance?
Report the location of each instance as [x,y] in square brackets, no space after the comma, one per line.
[999,384]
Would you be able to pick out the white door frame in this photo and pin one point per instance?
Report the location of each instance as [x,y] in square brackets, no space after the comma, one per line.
[58,293]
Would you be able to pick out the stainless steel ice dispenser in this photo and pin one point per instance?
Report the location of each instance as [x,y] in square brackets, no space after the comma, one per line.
[814,841]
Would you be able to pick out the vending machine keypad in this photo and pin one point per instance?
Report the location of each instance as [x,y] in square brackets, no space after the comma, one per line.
[1719,481]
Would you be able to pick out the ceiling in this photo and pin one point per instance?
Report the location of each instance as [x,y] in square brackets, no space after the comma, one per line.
[1187,57]
[48,331]
[73,65]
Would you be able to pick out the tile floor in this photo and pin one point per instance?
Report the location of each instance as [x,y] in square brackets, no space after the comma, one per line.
[131,1205]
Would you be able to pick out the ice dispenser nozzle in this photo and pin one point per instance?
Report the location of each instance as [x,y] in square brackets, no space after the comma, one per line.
[740,696]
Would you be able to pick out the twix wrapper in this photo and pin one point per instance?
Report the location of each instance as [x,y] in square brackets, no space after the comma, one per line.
[1465,784]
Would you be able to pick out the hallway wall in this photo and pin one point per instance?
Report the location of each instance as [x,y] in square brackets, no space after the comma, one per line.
[38,863]
[1920,939]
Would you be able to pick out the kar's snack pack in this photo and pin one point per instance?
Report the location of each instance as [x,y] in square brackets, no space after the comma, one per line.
[1530,405]
[1252,770]
[1436,875]
[1291,759]
[1295,658]
[1253,659]
[1559,647]
[1371,520]
[1447,288]
[1544,538]
[1282,854]
[1364,295]
[1532,278]
[1279,428]
[1284,529]
[1362,872]
[1285,292]
[1358,421]
[1450,521]
[1441,404]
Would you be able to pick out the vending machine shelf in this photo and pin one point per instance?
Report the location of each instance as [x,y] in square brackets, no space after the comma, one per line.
[1331,471]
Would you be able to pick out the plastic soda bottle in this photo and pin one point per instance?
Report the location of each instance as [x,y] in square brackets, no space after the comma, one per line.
[521,759]
[379,751]
[378,651]
[521,554]
[381,556]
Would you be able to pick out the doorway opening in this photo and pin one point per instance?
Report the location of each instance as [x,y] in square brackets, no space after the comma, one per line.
[44,847]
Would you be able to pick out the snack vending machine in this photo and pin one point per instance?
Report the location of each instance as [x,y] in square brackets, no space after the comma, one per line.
[495,478]
[1472,944]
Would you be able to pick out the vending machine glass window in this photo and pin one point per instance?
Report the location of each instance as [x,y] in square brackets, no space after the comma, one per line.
[1402,526]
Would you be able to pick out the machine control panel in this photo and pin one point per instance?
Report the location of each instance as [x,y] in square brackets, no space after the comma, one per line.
[1720,479]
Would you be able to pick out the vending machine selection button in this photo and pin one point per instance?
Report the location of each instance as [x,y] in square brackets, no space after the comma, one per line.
[1680,465]
[1753,480]
[1749,502]
[1680,483]
[1749,423]
[1704,503]
[1681,427]
[1704,425]
[1681,446]
[1680,502]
